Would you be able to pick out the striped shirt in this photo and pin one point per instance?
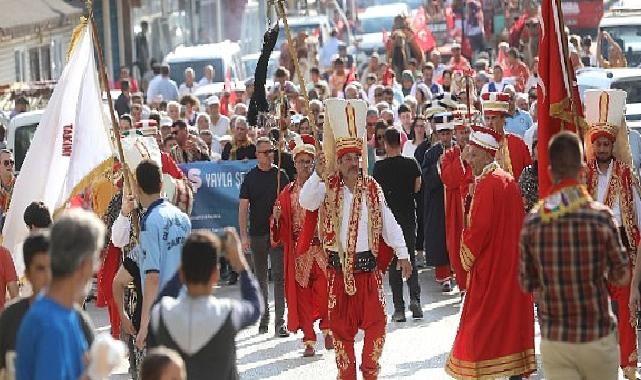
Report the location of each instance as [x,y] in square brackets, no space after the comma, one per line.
[567,262]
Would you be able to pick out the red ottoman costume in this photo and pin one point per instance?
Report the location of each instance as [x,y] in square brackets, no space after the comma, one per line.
[305,260]
[354,224]
[617,188]
[456,175]
[495,337]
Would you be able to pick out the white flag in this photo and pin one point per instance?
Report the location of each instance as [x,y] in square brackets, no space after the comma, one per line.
[70,146]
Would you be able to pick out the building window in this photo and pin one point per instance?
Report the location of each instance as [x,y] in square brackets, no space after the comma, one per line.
[20,65]
[40,63]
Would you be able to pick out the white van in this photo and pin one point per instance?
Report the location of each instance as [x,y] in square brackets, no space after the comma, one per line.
[223,56]
[20,133]
[625,79]
[623,23]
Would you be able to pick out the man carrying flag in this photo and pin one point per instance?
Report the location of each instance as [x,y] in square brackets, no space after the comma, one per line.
[304,257]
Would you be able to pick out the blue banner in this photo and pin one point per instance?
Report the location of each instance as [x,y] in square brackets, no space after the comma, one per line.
[216,192]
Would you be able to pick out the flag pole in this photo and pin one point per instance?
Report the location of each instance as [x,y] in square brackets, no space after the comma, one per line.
[568,72]
[301,78]
[103,79]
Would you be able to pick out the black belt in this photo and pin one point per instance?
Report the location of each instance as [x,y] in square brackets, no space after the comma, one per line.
[364,261]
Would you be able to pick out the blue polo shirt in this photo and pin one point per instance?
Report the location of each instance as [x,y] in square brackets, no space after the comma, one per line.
[519,123]
[50,343]
[163,231]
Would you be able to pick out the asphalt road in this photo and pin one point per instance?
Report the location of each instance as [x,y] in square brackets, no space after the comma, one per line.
[413,350]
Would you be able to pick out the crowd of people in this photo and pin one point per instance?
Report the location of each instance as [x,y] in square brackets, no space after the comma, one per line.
[403,165]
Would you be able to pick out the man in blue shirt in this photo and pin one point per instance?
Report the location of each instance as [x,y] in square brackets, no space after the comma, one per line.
[163,86]
[51,344]
[516,121]
[163,230]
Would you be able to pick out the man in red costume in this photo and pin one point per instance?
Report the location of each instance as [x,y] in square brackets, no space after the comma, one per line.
[611,181]
[358,230]
[494,301]
[305,259]
[513,154]
[456,174]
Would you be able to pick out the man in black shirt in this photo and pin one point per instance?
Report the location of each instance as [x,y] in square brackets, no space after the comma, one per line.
[257,195]
[400,179]
[241,147]
[123,103]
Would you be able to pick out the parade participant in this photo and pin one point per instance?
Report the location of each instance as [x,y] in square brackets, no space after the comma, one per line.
[304,257]
[358,229]
[400,179]
[434,208]
[568,227]
[258,193]
[494,300]
[612,182]
[513,155]
[456,175]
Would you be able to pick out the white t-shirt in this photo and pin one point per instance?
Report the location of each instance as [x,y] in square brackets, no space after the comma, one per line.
[408,149]
[221,127]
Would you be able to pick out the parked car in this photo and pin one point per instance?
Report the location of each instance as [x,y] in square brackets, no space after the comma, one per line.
[20,133]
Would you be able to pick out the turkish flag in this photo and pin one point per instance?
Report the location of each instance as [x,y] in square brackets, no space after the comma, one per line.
[559,105]
[424,37]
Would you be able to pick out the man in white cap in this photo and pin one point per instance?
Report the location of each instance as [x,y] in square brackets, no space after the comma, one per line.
[435,245]
[219,122]
[494,300]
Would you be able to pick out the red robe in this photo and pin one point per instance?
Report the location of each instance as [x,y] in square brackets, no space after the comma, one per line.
[519,155]
[297,244]
[495,337]
[621,189]
[457,176]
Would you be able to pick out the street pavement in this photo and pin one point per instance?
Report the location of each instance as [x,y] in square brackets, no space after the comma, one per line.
[413,350]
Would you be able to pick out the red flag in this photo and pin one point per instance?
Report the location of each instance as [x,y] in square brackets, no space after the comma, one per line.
[423,34]
[231,100]
[559,107]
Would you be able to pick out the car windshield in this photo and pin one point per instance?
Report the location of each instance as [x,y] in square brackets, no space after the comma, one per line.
[627,35]
[632,87]
[376,24]
[250,67]
[178,69]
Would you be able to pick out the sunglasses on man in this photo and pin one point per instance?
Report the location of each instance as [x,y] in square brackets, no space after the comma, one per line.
[8,162]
